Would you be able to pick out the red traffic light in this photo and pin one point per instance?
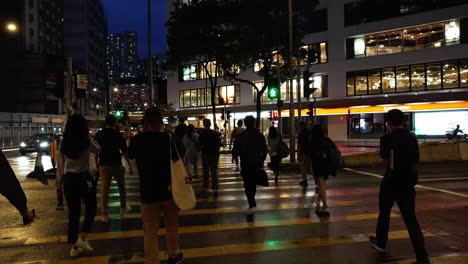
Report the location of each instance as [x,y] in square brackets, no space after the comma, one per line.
[275,115]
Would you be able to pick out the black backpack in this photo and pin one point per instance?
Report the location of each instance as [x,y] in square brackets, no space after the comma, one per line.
[329,155]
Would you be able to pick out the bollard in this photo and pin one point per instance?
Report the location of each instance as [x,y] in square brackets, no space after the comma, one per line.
[38,172]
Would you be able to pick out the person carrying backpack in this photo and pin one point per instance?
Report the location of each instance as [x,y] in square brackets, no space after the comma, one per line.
[400,153]
[210,142]
[325,158]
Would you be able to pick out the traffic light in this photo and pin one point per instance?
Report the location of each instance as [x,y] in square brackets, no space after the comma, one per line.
[228,114]
[270,116]
[118,113]
[308,84]
[273,90]
[275,115]
[311,109]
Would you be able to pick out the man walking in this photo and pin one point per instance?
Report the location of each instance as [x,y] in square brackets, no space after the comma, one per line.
[210,142]
[400,153]
[251,147]
[235,133]
[113,146]
[151,150]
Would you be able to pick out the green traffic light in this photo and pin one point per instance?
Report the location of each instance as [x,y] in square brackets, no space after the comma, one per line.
[273,93]
[118,113]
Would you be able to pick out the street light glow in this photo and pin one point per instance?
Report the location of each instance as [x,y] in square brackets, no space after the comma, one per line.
[11,27]
[116,89]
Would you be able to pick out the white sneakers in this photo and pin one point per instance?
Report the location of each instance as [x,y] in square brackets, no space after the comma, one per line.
[75,252]
[81,246]
[84,245]
[125,210]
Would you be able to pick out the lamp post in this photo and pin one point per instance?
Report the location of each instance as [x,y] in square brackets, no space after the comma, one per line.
[150,56]
[292,128]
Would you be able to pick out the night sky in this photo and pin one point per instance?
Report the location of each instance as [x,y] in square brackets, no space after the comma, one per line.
[131,15]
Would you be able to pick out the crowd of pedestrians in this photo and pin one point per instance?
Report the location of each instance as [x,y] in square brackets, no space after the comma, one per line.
[316,153]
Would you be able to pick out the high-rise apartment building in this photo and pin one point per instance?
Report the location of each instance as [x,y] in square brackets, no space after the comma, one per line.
[122,58]
[85,42]
[371,56]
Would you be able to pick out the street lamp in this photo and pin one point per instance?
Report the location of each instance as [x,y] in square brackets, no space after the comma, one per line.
[11,27]
[116,89]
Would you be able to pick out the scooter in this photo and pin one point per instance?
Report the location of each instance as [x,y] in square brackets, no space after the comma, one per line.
[460,138]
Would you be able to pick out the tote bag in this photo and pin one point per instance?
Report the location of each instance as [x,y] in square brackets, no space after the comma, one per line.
[182,189]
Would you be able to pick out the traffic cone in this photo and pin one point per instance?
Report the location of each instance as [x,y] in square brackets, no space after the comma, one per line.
[38,172]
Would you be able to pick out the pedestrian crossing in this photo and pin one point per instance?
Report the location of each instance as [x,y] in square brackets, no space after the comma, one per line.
[285,228]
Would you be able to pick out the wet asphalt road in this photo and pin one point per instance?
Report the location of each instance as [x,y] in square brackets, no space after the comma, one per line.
[284,230]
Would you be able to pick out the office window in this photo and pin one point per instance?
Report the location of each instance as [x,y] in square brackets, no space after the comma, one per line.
[388,80]
[359,46]
[374,82]
[187,99]
[450,74]
[464,73]
[452,32]
[350,83]
[323,52]
[371,45]
[418,77]
[434,73]
[403,82]
[361,82]
[208,97]
[201,97]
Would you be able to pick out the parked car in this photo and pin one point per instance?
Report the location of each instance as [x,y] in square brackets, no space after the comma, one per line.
[38,142]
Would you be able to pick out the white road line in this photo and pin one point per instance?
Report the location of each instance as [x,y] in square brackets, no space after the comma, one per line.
[418,186]
[444,179]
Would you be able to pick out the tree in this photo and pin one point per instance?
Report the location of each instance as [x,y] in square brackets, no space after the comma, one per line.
[194,35]
[261,36]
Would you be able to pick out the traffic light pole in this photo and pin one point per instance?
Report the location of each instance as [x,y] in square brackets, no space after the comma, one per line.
[292,127]
[279,102]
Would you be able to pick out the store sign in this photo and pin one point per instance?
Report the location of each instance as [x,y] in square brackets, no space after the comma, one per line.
[57,120]
[81,82]
[440,123]
[385,108]
[40,120]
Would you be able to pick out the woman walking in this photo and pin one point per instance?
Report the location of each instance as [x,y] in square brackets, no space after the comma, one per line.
[321,166]
[274,140]
[192,147]
[78,184]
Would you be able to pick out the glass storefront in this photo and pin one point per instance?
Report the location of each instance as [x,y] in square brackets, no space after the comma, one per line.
[400,40]
[228,94]
[417,77]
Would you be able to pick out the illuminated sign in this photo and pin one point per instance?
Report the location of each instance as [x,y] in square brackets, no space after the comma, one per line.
[440,123]
[385,108]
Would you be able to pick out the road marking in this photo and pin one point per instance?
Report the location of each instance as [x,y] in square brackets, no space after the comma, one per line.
[262,196]
[213,228]
[417,186]
[443,179]
[223,190]
[227,210]
[450,259]
[234,249]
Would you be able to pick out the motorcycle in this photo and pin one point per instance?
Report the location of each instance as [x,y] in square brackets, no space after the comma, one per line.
[458,138]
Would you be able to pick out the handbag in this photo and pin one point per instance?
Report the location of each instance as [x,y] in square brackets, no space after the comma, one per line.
[262,178]
[181,183]
[283,149]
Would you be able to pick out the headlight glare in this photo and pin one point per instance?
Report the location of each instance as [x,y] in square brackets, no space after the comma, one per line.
[44,144]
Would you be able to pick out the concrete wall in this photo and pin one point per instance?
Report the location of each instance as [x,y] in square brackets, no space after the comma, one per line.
[429,153]
[337,128]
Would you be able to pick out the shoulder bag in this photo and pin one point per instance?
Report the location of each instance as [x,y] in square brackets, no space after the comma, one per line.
[181,183]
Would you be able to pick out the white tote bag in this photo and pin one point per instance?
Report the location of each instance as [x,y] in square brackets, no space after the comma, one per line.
[182,189]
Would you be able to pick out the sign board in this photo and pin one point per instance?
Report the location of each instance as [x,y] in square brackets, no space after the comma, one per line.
[81,82]
[40,120]
[57,120]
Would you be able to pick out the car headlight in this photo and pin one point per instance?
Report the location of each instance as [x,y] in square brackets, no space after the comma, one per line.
[44,144]
[22,144]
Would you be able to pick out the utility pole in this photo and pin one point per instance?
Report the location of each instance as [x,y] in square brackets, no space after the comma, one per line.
[279,101]
[69,87]
[292,127]
[150,56]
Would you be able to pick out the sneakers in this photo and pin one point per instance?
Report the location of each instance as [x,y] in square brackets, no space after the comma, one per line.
[177,259]
[75,252]
[303,183]
[105,219]
[125,210]
[251,211]
[29,217]
[374,244]
[322,211]
[84,245]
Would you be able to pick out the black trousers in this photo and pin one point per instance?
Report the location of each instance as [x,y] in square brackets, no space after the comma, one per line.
[275,163]
[10,186]
[210,166]
[406,202]
[11,189]
[76,189]
[250,185]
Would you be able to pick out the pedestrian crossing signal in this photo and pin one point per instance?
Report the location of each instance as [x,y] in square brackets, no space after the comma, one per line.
[273,91]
